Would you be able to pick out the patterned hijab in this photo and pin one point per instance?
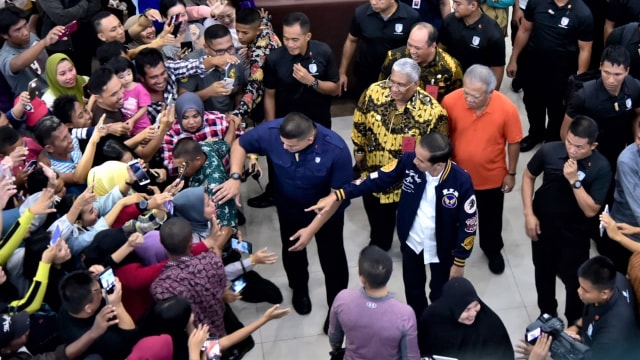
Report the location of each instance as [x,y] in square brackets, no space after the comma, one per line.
[56,88]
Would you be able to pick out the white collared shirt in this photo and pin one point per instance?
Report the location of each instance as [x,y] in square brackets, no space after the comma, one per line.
[422,235]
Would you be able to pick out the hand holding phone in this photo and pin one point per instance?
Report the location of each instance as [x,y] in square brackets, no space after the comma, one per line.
[30,166]
[69,29]
[57,233]
[238,285]
[32,88]
[141,176]
[242,246]
[108,280]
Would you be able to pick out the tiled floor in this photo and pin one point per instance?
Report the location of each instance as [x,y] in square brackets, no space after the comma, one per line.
[512,295]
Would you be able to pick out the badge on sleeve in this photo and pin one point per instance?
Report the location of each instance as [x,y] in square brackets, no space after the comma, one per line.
[470,205]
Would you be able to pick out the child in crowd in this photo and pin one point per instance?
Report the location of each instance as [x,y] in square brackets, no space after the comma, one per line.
[136,97]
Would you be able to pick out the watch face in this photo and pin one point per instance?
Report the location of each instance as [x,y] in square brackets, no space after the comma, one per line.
[577,184]
[235,176]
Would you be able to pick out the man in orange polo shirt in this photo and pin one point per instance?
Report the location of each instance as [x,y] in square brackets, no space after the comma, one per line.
[479,131]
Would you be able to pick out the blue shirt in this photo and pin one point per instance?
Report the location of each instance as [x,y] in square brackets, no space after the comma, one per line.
[321,166]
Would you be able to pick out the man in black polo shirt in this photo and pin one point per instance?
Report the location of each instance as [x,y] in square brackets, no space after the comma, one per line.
[612,101]
[376,27]
[629,37]
[558,35]
[472,37]
[620,12]
[575,183]
[302,76]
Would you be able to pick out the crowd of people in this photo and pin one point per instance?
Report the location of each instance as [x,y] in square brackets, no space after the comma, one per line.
[128,127]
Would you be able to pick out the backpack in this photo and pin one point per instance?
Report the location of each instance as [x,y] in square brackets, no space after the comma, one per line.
[579,81]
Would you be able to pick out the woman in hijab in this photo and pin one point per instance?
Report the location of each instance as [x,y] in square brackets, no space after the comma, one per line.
[193,122]
[192,205]
[63,80]
[462,326]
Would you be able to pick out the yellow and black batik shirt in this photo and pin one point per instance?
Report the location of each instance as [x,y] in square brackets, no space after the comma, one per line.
[379,128]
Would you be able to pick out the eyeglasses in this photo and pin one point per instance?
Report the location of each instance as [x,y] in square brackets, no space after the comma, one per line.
[230,50]
[402,87]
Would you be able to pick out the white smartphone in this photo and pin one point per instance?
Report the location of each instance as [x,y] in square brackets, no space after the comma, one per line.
[138,172]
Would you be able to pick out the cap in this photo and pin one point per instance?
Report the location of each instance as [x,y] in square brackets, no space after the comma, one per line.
[13,327]
[35,110]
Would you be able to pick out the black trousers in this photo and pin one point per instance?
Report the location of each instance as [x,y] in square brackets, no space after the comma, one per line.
[382,221]
[490,203]
[329,240]
[545,78]
[414,275]
[559,251]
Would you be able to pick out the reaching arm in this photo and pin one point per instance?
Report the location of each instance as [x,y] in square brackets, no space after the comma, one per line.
[608,28]
[348,50]
[269,104]
[522,38]
[532,225]
[584,56]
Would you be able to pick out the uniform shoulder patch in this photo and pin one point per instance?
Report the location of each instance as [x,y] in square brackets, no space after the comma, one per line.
[468,242]
[470,205]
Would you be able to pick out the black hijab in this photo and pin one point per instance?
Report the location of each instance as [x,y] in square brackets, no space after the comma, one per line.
[440,332]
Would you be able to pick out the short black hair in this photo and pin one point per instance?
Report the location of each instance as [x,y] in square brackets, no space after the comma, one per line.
[599,271]
[110,50]
[297,18]
[114,150]
[37,181]
[249,17]
[75,290]
[120,65]
[187,149]
[44,129]
[438,145]
[296,126]
[11,16]
[375,266]
[8,137]
[584,127]
[147,57]
[99,79]
[616,55]
[97,20]
[175,236]
[215,32]
[63,107]
[165,5]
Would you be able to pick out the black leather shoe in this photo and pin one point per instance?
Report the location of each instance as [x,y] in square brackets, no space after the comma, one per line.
[301,302]
[496,264]
[325,328]
[528,143]
[261,201]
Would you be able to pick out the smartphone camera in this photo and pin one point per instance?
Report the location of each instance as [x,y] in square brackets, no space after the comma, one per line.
[108,280]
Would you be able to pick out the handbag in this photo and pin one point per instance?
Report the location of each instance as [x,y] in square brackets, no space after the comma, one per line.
[337,354]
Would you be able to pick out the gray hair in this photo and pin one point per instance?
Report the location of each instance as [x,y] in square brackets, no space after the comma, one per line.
[407,67]
[482,74]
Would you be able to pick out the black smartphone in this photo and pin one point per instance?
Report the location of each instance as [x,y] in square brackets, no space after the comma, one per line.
[108,280]
[32,88]
[186,45]
[176,28]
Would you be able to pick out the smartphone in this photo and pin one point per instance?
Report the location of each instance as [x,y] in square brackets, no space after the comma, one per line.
[533,335]
[55,236]
[169,206]
[242,246]
[228,83]
[32,88]
[138,172]
[6,172]
[176,28]
[170,101]
[30,166]
[182,169]
[69,29]
[108,280]
[186,45]
[439,357]
[211,349]
[238,285]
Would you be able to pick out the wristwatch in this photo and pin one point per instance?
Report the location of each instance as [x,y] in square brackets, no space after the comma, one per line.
[142,205]
[577,184]
[314,84]
[235,176]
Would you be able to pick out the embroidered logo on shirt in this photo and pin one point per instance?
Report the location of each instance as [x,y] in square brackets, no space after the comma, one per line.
[468,242]
[450,198]
[475,41]
[564,22]
[410,178]
[471,224]
[628,103]
[398,29]
[317,159]
[371,305]
[313,69]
